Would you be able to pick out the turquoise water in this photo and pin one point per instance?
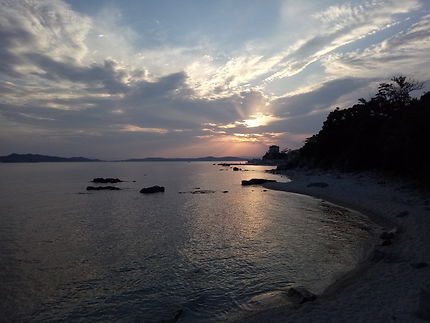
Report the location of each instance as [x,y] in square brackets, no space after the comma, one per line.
[124,256]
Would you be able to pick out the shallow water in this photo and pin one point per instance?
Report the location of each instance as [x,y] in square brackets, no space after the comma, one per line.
[124,256]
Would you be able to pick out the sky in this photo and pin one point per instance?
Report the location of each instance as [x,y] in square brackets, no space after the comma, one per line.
[156,78]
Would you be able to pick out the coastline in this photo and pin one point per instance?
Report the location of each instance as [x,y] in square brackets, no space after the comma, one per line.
[387,285]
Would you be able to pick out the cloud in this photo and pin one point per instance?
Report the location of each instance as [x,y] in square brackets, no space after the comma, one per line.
[339,26]
[406,50]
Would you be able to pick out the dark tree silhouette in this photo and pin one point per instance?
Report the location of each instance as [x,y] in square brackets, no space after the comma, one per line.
[390,132]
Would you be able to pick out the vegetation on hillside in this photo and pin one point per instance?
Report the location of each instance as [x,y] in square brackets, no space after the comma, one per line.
[390,132]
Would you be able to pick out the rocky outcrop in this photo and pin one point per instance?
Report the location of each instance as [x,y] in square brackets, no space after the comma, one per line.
[257,181]
[100,188]
[106,180]
[152,189]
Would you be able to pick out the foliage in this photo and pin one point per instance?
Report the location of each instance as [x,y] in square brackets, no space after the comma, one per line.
[390,132]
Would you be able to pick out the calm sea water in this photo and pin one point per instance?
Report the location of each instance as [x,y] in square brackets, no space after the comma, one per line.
[123,256]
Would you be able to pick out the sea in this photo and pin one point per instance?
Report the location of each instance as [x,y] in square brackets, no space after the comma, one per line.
[202,251]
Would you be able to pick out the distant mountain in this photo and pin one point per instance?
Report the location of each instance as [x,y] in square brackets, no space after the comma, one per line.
[35,158]
[208,158]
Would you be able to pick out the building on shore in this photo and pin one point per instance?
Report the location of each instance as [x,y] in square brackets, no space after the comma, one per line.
[273,154]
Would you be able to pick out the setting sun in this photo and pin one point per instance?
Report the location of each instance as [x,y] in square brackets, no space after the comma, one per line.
[259,119]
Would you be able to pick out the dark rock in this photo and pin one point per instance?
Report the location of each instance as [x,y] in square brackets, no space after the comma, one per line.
[321,185]
[419,265]
[386,242]
[199,192]
[300,295]
[99,188]
[202,192]
[236,169]
[178,315]
[423,311]
[387,235]
[225,191]
[257,181]
[152,189]
[106,180]
[402,214]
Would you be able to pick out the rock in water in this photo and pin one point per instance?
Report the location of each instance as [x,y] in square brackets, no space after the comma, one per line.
[99,188]
[106,180]
[257,181]
[387,235]
[300,295]
[402,214]
[152,189]
[293,296]
[419,265]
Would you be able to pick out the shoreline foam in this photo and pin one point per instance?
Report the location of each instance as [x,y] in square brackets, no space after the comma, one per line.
[387,287]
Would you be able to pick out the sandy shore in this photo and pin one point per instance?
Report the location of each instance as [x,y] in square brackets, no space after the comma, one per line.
[387,287]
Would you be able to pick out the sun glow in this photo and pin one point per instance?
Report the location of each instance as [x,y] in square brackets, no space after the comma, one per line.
[259,119]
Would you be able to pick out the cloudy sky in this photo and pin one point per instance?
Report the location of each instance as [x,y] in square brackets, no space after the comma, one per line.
[139,78]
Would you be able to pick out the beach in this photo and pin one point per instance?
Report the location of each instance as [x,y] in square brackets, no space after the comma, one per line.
[393,283]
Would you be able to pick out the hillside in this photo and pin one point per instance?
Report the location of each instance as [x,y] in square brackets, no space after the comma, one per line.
[35,158]
[390,132]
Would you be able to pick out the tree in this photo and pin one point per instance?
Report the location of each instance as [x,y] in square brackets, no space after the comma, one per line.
[389,132]
[398,92]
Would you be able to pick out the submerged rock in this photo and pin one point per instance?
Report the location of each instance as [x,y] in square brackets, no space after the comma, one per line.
[293,296]
[300,295]
[257,181]
[387,235]
[386,242]
[99,188]
[106,180]
[198,192]
[152,189]
[419,265]
[402,214]
[178,315]
[202,192]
